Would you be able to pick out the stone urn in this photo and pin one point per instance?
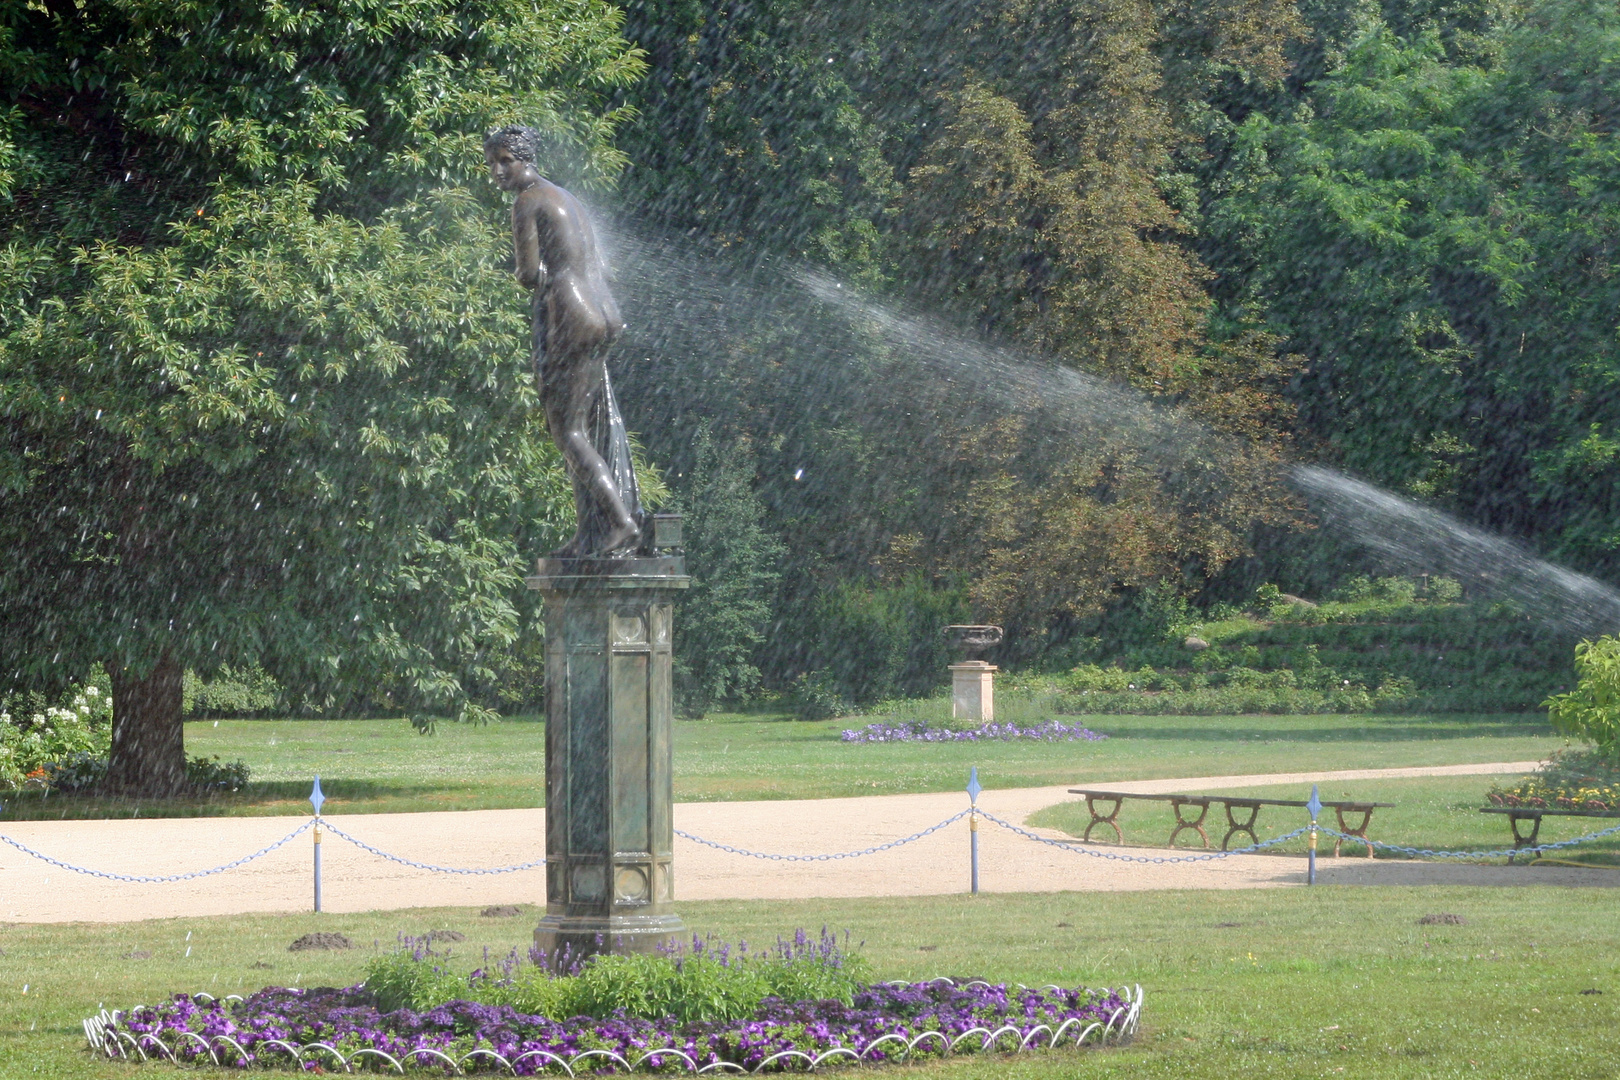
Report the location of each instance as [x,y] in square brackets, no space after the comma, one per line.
[972,679]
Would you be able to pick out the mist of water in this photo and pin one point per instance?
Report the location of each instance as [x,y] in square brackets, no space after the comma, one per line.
[689,308]
[1420,540]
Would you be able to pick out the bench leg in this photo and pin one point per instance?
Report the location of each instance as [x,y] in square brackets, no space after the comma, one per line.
[1234,826]
[1357,831]
[1100,819]
[1523,841]
[1196,824]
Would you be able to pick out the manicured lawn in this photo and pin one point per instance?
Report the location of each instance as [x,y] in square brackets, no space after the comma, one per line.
[1441,813]
[1269,983]
[384,766]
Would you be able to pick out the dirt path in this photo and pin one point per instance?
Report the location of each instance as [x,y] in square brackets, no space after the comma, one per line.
[33,891]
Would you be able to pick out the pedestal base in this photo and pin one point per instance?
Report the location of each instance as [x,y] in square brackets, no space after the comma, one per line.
[572,937]
[973,691]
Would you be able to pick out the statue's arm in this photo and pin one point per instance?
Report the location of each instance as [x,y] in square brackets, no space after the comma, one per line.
[531,272]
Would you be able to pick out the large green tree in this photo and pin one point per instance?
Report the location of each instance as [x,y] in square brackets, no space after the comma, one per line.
[1015,164]
[263,371]
[1437,233]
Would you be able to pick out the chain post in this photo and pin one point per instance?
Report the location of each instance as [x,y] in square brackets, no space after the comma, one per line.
[973,790]
[315,800]
[1315,808]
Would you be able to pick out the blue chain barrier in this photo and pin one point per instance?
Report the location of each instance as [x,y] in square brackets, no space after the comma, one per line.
[1497,854]
[825,858]
[1322,829]
[1069,846]
[335,831]
[143,879]
[1158,859]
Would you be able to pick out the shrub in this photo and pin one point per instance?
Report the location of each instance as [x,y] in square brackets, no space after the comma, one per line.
[1591,711]
[703,982]
[32,741]
[879,641]
[816,695]
[79,771]
[1092,677]
[214,774]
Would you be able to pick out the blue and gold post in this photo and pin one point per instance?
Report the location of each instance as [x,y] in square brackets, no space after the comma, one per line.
[315,800]
[1315,808]
[973,790]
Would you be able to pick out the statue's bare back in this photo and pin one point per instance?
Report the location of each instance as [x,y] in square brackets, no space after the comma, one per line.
[575,319]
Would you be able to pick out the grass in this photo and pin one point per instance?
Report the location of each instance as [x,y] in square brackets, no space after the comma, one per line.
[1439,813]
[1265,983]
[383,766]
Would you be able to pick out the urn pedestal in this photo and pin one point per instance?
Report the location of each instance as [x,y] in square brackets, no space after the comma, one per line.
[973,691]
[609,798]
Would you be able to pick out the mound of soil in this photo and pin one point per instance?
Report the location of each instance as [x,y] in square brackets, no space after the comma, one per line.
[324,939]
[446,935]
[1445,918]
[138,954]
[501,911]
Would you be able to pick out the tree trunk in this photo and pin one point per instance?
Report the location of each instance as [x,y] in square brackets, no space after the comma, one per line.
[148,757]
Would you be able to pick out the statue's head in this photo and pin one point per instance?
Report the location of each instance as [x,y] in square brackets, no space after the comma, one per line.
[510,152]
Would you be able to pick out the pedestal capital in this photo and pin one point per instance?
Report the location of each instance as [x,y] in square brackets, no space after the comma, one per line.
[596,575]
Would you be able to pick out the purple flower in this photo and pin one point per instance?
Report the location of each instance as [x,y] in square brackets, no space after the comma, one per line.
[349,1019]
[917,731]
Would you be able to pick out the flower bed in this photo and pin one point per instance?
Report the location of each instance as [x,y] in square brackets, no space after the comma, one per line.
[1575,778]
[1597,800]
[918,731]
[885,1022]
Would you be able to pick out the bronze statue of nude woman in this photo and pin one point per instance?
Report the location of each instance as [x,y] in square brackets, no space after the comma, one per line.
[575,319]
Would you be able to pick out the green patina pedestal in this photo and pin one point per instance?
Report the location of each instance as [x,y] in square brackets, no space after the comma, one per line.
[609,800]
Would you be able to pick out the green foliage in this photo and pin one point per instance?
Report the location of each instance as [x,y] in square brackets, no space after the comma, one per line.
[412,977]
[231,692]
[1011,163]
[211,774]
[1437,230]
[818,695]
[705,983]
[1387,645]
[264,390]
[881,641]
[735,563]
[32,740]
[1591,711]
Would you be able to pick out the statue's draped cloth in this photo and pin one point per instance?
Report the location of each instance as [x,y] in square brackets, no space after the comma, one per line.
[607,434]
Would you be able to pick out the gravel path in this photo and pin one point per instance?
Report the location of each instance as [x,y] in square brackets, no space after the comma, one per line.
[33,891]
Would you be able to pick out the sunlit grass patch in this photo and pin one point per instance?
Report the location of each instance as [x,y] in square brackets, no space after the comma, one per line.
[1270,983]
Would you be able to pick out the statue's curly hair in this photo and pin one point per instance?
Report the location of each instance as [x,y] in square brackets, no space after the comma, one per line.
[522,142]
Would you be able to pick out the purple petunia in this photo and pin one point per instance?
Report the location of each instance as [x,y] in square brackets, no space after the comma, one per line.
[918,731]
[349,1021]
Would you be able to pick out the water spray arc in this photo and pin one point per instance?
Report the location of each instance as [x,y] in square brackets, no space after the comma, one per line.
[706,306]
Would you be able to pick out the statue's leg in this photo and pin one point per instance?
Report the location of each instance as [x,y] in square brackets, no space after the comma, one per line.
[570,405]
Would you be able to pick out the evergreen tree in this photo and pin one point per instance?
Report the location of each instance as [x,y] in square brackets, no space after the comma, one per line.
[735,562]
